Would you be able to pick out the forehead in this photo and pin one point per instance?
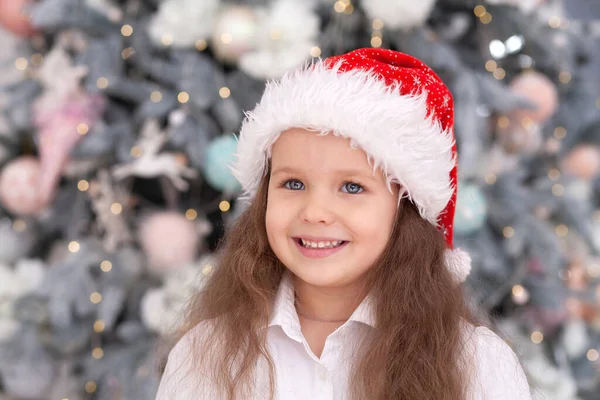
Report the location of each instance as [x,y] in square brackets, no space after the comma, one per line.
[306,150]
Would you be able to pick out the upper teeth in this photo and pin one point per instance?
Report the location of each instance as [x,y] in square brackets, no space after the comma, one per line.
[320,245]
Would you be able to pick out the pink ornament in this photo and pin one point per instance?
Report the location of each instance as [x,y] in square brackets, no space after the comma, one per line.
[59,131]
[13,17]
[63,113]
[538,89]
[19,186]
[169,240]
[583,161]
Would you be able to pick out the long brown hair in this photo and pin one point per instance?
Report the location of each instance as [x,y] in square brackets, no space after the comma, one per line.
[415,351]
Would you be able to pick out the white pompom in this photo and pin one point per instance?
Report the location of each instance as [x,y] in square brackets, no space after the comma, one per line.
[405,14]
[459,263]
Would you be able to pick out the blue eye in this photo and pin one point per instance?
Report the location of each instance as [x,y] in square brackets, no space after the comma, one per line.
[352,188]
[293,184]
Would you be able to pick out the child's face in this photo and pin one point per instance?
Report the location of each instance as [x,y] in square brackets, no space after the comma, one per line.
[323,191]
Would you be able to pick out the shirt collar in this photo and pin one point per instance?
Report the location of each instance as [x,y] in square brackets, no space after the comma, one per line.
[284,311]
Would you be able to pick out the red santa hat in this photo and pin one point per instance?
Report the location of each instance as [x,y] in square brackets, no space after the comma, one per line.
[389,104]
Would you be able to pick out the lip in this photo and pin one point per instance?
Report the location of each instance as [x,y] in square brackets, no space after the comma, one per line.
[318,253]
[318,238]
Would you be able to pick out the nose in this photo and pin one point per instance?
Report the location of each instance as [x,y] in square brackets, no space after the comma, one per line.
[317,209]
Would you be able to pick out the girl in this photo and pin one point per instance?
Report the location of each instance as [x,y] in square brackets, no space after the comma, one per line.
[340,280]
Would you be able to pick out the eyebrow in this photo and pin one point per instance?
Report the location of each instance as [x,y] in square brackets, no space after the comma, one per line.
[343,172]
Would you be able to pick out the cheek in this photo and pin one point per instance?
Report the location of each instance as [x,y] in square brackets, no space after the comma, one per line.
[276,221]
[375,226]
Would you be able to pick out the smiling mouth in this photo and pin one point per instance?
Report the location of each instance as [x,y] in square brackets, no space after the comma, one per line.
[309,244]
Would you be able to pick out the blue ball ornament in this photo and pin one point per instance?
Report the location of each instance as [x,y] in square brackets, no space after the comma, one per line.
[217,161]
[471,209]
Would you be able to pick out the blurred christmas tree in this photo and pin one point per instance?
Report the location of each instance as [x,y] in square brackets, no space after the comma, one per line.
[117,127]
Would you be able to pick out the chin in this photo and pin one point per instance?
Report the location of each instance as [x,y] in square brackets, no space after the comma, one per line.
[321,275]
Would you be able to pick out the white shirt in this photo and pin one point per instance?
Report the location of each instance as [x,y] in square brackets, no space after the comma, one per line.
[301,375]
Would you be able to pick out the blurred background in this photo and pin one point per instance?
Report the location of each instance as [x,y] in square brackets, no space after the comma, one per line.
[117,125]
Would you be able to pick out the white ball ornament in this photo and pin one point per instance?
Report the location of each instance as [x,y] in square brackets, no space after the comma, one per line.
[399,14]
[526,6]
[575,339]
[162,308]
[287,31]
[234,33]
[19,186]
[182,23]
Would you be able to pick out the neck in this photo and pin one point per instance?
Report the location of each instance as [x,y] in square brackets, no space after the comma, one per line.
[326,304]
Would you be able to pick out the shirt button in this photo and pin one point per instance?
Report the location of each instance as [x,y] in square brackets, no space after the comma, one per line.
[322,372]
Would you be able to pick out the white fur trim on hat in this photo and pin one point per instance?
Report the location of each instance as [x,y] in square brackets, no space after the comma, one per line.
[459,263]
[395,130]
